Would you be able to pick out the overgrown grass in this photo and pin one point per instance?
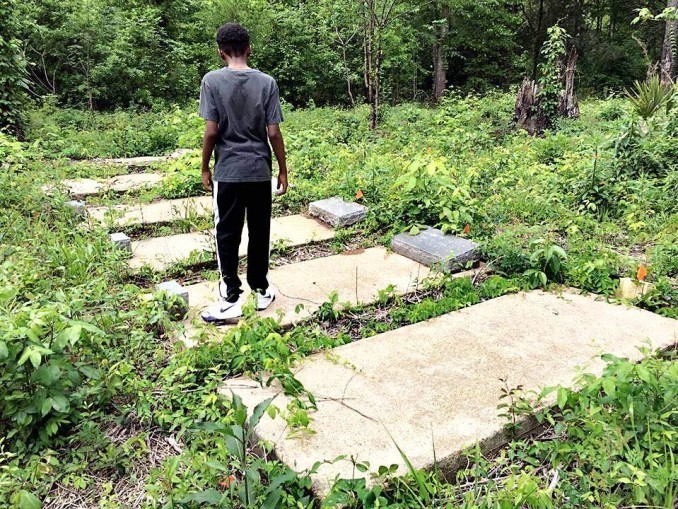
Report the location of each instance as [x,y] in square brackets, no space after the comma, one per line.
[82,353]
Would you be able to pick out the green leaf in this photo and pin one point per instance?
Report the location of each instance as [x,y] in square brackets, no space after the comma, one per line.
[60,403]
[27,500]
[609,387]
[69,335]
[414,230]
[562,397]
[4,352]
[46,406]
[212,497]
[90,372]
[217,465]
[259,411]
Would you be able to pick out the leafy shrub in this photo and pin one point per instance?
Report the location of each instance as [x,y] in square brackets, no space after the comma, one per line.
[432,193]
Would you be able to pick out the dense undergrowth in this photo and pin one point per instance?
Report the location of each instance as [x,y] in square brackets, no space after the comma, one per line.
[90,382]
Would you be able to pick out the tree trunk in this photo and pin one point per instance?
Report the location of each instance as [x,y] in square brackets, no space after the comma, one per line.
[439,60]
[668,65]
[535,42]
[569,105]
[526,110]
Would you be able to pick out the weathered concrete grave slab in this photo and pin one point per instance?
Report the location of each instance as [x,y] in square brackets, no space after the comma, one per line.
[144,161]
[432,247]
[289,231]
[337,212]
[439,380]
[356,277]
[119,184]
[159,212]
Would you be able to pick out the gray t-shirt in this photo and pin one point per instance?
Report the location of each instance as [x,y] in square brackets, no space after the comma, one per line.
[243,103]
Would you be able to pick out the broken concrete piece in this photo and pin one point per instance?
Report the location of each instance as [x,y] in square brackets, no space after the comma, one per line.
[337,212]
[432,247]
[121,241]
[630,289]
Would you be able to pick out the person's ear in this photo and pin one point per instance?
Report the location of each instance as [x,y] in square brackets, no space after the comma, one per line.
[222,54]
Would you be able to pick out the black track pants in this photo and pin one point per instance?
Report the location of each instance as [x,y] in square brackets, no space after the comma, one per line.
[231,202]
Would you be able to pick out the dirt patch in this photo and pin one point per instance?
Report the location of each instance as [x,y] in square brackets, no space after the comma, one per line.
[128,487]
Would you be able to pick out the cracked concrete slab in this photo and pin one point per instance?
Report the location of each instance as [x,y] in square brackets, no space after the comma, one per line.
[303,287]
[439,381]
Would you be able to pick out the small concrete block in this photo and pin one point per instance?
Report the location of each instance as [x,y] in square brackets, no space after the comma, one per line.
[433,247]
[173,288]
[121,241]
[337,212]
[632,290]
[78,206]
[179,310]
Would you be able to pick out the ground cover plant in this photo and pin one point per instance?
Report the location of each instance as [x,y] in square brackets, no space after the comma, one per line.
[97,400]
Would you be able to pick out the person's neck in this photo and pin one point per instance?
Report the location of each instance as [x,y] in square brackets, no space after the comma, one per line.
[238,64]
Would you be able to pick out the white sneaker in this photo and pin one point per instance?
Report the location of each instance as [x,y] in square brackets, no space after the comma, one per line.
[223,312]
[264,300]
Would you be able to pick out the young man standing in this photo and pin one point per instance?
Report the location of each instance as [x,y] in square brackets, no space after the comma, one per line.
[241,108]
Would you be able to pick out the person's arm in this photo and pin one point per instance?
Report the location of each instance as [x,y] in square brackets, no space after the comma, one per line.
[278,143]
[209,140]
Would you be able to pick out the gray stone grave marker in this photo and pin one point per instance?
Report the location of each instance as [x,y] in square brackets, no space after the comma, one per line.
[121,241]
[337,212]
[432,247]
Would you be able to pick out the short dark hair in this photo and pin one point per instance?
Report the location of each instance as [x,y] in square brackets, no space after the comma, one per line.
[233,39]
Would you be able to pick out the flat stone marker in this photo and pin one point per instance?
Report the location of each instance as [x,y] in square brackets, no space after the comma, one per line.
[439,380]
[432,247]
[159,212]
[161,252]
[337,212]
[121,241]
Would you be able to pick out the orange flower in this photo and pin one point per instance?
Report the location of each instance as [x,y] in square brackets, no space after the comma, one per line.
[359,194]
[227,481]
[642,273]
[467,229]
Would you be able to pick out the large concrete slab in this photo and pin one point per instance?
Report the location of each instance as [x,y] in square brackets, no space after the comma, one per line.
[355,276]
[159,212]
[289,231]
[432,247]
[439,380]
[119,184]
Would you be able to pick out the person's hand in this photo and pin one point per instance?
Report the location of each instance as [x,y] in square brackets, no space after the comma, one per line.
[282,184]
[207,180]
